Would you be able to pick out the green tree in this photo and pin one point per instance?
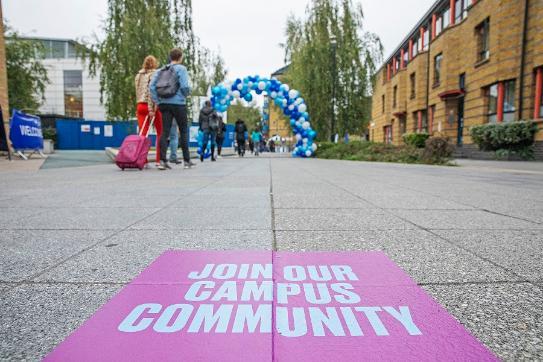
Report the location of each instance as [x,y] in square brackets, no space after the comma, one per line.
[135,29]
[251,115]
[315,72]
[209,71]
[27,77]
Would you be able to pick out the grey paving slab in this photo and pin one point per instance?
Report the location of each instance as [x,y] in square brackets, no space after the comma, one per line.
[205,217]
[35,318]
[520,251]
[463,219]
[506,317]
[425,257]
[124,256]
[317,198]
[24,253]
[337,219]
[225,200]
[78,218]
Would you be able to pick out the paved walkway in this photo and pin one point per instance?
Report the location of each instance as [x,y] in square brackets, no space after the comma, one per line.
[72,237]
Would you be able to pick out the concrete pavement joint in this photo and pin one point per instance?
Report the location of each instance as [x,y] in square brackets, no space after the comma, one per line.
[520,277]
[36,275]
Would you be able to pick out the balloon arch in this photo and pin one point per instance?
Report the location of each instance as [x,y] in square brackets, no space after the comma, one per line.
[289,100]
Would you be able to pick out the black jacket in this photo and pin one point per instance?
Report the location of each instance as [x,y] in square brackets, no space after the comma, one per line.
[240,129]
[205,117]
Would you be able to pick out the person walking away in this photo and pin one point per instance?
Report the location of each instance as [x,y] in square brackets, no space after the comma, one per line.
[208,126]
[251,146]
[241,129]
[256,136]
[272,146]
[169,89]
[221,133]
[146,109]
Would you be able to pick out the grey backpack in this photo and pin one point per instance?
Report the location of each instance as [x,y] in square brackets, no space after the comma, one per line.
[167,83]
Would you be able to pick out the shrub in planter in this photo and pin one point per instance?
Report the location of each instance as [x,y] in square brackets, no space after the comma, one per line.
[506,138]
[437,150]
[416,139]
[50,134]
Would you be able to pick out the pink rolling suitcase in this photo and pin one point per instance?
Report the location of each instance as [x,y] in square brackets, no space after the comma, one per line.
[135,149]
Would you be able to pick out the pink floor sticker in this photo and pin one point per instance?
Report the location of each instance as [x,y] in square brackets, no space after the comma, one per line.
[263,306]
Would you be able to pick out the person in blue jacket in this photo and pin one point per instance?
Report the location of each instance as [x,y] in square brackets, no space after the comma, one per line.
[169,89]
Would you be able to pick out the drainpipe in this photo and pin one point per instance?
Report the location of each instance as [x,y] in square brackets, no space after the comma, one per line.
[428,78]
[523,60]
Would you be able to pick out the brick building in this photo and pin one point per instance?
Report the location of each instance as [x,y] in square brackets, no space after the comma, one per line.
[3,74]
[279,125]
[466,62]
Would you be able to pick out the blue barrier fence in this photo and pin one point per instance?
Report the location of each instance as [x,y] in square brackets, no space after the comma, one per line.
[97,135]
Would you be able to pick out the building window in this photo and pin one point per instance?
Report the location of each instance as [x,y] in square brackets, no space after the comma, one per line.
[405,58]
[413,83]
[403,125]
[388,134]
[437,69]
[427,38]
[383,103]
[439,24]
[508,105]
[509,101]
[492,94]
[73,93]
[462,81]
[394,96]
[415,46]
[483,35]
[424,122]
[446,18]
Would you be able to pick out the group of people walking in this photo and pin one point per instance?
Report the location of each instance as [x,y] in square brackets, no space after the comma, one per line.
[161,96]
[162,100]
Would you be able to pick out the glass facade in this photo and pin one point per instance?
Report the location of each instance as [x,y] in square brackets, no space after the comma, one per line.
[58,49]
[73,93]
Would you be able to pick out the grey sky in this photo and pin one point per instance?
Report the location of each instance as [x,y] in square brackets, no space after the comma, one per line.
[247,32]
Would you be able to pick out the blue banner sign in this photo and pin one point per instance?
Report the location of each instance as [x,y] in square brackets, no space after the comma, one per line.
[25,131]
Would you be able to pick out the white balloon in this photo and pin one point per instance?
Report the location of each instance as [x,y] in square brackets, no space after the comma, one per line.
[240,86]
[236,94]
[293,93]
[273,95]
[223,102]
[299,101]
[298,124]
[250,84]
[285,102]
[287,88]
[301,120]
[262,85]
[302,108]
[298,136]
[305,125]
[291,107]
[305,140]
[314,147]
[308,153]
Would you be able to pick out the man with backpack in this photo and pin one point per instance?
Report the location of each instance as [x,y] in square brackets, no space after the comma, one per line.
[209,123]
[169,89]
[241,130]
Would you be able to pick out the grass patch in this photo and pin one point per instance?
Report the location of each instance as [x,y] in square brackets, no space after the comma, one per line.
[377,152]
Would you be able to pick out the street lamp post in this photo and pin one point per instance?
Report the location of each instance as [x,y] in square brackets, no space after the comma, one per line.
[333,43]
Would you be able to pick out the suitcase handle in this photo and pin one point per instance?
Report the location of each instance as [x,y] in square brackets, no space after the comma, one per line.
[151,122]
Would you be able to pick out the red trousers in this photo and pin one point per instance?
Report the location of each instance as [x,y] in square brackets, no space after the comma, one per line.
[142,112]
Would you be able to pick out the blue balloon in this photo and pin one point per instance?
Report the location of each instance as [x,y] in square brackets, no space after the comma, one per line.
[248,97]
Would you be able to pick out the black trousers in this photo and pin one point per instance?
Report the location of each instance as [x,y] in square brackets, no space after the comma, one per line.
[171,112]
[241,146]
[220,141]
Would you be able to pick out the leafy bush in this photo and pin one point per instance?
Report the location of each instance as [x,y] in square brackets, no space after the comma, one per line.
[506,138]
[416,139]
[50,134]
[369,151]
[438,150]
